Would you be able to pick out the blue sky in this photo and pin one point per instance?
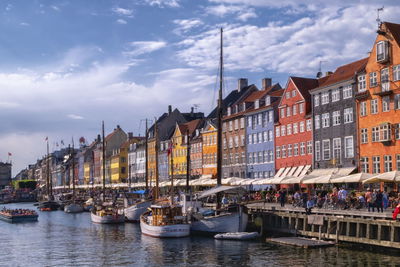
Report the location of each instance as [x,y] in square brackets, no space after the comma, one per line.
[67,65]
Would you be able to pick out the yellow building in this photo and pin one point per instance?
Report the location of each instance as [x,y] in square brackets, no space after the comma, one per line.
[210,150]
[119,162]
[86,172]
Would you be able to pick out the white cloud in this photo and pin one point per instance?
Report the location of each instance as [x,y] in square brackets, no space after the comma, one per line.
[24,24]
[9,7]
[144,47]
[75,117]
[163,3]
[185,25]
[121,21]
[56,8]
[123,11]
[241,12]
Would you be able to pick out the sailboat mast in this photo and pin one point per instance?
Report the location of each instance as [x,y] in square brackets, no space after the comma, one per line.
[104,163]
[73,171]
[49,193]
[147,158]
[187,161]
[219,118]
[156,194]
[172,171]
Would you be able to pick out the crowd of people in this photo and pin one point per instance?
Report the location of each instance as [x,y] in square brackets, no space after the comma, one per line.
[17,212]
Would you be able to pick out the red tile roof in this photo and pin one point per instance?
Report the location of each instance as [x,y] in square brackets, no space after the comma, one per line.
[191,126]
[306,84]
[394,30]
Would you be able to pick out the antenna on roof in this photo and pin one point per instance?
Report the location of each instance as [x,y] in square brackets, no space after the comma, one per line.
[378,20]
[319,73]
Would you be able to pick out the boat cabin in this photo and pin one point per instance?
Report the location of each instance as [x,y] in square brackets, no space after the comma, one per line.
[167,215]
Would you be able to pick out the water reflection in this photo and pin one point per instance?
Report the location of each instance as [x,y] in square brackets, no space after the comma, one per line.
[61,239]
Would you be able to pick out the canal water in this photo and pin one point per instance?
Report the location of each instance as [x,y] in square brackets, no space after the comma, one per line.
[60,239]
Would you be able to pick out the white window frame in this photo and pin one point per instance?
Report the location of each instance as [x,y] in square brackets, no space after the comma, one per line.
[335,95]
[326,149]
[364,136]
[348,91]
[301,108]
[295,128]
[386,103]
[396,73]
[277,131]
[374,106]
[348,147]
[363,108]
[302,148]
[364,161]
[325,98]
[278,152]
[317,122]
[289,129]
[373,79]
[289,150]
[309,147]
[325,119]
[316,100]
[302,128]
[388,163]
[336,118]
[317,151]
[337,149]
[376,164]
[294,111]
[362,85]
[309,125]
[348,115]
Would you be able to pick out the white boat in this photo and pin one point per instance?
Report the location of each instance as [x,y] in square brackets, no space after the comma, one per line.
[238,236]
[73,208]
[105,216]
[133,212]
[164,221]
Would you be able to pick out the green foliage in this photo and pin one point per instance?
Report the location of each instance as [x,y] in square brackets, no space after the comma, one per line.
[25,184]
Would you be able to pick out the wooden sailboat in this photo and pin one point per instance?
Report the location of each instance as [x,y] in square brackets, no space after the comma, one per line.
[220,221]
[133,211]
[106,214]
[73,207]
[164,218]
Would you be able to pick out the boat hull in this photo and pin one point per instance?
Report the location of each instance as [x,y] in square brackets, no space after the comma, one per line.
[133,212]
[107,219]
[73,208]
[18,219]
[237,236]
[224,223]
[164,231]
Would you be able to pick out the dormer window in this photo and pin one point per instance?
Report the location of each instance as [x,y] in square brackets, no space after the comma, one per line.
[268,100]
[257,103]
[229,111]
[244,106]
[382,51]
[236,108]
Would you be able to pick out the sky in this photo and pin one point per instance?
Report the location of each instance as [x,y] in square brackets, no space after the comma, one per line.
[67,65]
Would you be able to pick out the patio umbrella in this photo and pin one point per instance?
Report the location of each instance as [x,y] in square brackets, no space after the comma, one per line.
[353,178]
[325,179]
[390,177]
[231,180]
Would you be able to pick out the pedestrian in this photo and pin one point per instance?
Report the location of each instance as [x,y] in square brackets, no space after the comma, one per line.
[396,212]
[282,197]
[379,201]
[309,206]
[385,200]
[368,198]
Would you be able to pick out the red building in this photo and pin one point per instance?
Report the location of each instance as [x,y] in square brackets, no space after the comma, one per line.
[293,132]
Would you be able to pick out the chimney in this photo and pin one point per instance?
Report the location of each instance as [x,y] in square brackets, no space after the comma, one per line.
[191,110]
[169,109]
[130,135]
[242,83]
[266,82]
[328,73]
[98,138]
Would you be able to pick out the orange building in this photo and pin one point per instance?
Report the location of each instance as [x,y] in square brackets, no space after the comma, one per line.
[378,104]
[209,135]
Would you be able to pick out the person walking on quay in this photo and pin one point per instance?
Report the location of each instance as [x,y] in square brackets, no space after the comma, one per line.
[309,206]
[282,197]
[385,200]
[342,195]
[379,201]
[368,198]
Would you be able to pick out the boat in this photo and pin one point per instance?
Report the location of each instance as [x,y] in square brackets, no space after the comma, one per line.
[18,215]
[73,207]
[105,213]
[133,212]
[237,236]
[221,220]
[164,220]
[48,206]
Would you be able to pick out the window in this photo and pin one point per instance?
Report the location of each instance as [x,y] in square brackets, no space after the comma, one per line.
[283,151]
[316,121]
[398,162]
[259,119]
[242,141]
[277,131]
[317,151]
[265,136]
[385,133]
[256,104]
[385,103]
[309,147]
[325,120]
[336,118]
[294,112]
[267,100]
[374,106]
[224,143]
[309,125]
[241,123]
[271,155]
[363,108]
[361,84]
[376,164]
[282,110]
[289,129]
[255,139]
[271,116]
[301,108]
[348,115]
[236,124]
[249,121]
[316,100]
[295,150]
[236,141]
[255,159]
[337,149]
[289,150]
[397,101]
[373,80]
[347,91]
[348,147]
[375,134]
[302,148]
[287,111]
[230,142]
[326,149]
[295,128]
[293,93]
[260,157]
[266,159]
[278,152]
[230,125]
[325,98]
[270,136]
[287,95]
[260,137]
[397,131]
[382,51]
[283,130]
[385,86]
[364,164]
[364,136]
[302,126]
[396,73]
[388,163]
[250,158]
[250,138]
[335,95]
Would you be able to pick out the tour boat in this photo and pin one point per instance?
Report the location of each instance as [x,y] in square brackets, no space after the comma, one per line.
[18,215]
[107,216]
[164,220]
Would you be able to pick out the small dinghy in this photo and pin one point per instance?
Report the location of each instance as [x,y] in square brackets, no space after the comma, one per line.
[237,236]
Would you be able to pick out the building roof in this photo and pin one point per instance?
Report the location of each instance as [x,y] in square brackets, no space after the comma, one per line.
[345,72]
[190,126]
[394,30]
[306,84]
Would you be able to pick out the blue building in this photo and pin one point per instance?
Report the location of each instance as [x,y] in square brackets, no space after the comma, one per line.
[261,115]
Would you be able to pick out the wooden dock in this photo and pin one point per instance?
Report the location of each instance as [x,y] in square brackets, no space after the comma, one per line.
[355,226]
[301,242]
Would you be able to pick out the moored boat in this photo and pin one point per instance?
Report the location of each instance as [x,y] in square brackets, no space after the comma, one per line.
[133,212]
[107,216]
[238,236]
[18,215]
[73,208]
[48,206]
[164,220]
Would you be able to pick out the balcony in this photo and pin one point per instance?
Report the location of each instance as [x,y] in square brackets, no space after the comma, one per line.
[360,95]
[383,89]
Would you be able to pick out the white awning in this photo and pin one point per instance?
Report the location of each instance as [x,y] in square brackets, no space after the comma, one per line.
[285,173]
[250,181]
[292,171]
[298,171]
[279,173]
[292,180]
[222,188]
[353,178]
[305,170]
[344,171]
[231,180]
[325,179]
[390,177]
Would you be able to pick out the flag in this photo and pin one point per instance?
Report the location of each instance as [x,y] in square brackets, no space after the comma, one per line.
[9,154]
